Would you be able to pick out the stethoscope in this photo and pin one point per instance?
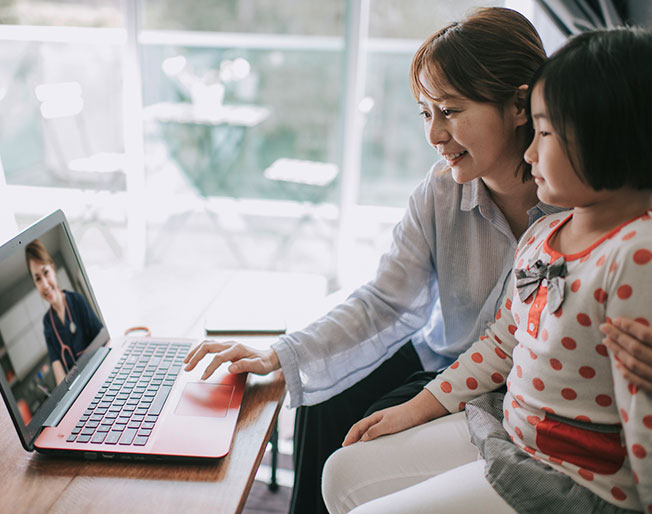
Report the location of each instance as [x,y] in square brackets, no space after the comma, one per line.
[72,327]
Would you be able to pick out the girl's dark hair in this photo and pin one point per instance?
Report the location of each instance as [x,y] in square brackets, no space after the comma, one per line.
[485,58]
[596,90]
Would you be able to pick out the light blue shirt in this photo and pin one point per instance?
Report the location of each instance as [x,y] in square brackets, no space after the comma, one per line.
[439,285]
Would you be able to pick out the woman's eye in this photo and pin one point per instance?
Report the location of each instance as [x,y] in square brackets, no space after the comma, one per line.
[424,114]
[544,133]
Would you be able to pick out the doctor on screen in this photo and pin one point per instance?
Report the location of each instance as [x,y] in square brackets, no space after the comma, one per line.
[69,325]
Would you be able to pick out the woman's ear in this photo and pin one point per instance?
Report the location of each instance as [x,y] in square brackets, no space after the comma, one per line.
[520,105]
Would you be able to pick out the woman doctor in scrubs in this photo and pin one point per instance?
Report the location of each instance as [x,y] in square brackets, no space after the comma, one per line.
[69,325]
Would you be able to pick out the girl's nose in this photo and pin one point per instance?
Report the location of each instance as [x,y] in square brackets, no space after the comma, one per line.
[530,154]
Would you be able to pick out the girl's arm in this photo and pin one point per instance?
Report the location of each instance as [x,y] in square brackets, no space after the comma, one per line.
[630,294]
[482,368]
[422,408]
[630,341]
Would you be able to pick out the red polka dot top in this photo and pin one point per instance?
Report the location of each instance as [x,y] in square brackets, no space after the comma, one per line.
[566,403]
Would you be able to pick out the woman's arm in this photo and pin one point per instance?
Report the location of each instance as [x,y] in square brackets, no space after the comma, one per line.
[630,341]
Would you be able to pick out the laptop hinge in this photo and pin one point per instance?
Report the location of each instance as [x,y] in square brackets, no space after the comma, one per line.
[76,387]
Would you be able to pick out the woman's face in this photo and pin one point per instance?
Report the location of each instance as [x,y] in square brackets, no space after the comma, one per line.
[476,139]
[45,280]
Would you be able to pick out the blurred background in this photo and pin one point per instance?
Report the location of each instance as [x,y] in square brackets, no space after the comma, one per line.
[270,135]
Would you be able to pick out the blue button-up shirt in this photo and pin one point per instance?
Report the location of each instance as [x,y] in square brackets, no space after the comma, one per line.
[439,285]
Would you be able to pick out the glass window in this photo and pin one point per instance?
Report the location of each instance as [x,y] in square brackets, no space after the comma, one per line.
[307,17]
[395,154]
[71,13]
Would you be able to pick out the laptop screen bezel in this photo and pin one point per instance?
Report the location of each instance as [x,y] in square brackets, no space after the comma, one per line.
[29,432]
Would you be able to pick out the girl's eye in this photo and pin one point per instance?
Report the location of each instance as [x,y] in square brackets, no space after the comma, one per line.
[544,133]
[446,112]
[424,114]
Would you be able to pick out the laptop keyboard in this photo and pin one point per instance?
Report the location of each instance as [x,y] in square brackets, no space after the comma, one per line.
[125,409]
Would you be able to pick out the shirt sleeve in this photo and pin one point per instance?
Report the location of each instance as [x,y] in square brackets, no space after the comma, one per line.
[484,366]
[354,338]
[629,294]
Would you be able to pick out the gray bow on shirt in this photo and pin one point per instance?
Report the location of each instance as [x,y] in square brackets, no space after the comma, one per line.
[528,281]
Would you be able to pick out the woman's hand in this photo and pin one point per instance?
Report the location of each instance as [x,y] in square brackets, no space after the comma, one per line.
[631,344]
[243,358]
[422,408]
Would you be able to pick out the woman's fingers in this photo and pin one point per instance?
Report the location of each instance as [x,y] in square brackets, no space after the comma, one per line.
[200,351]
[243,358]
[639,382]
[636,329]
[631,345]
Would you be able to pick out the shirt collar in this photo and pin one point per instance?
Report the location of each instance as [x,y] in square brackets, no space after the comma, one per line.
[475,194]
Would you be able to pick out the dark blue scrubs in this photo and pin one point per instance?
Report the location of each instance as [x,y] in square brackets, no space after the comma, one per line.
[87,327]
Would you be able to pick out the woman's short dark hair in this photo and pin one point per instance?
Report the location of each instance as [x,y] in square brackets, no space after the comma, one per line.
[36,251]
[597,94]
[485,58]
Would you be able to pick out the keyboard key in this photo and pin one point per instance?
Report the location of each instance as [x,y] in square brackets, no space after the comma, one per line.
[88,431]
[144,432]
[71,438]
[140,441]
[83,438]
[128,436]
[113,437]
[157,404]
[98,438]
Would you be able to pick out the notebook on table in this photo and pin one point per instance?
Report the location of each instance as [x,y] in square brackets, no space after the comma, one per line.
[71,389]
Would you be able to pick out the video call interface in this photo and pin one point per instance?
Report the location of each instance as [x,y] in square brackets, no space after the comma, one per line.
[47,320]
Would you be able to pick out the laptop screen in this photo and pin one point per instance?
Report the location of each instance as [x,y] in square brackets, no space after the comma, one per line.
[50,323]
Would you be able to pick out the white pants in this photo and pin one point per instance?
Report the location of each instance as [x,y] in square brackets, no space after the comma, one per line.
[432,468]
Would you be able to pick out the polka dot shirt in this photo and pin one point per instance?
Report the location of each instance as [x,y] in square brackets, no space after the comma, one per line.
[567,404]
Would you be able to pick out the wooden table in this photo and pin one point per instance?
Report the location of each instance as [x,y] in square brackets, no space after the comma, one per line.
[34,483]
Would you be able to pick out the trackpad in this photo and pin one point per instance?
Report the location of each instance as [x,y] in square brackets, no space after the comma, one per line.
[202,399]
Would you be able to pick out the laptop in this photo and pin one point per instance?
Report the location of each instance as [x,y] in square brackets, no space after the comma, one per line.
[73,390]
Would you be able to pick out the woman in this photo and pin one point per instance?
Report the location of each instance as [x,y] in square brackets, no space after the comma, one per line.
[571,434]
[69,325]
[442,281]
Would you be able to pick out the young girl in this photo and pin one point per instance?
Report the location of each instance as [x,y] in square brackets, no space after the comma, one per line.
[575,435]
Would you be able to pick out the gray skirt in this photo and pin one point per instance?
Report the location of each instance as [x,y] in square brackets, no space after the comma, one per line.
[526,484]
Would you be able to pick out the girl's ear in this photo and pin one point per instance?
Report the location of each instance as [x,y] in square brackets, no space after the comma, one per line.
[520,105]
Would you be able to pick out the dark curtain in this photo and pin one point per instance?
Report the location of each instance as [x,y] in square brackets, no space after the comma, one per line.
[576,16]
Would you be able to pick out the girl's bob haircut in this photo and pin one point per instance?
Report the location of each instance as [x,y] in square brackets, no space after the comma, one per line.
[596,90]
[486,57]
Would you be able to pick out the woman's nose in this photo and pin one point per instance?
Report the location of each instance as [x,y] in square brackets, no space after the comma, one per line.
[437,133]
